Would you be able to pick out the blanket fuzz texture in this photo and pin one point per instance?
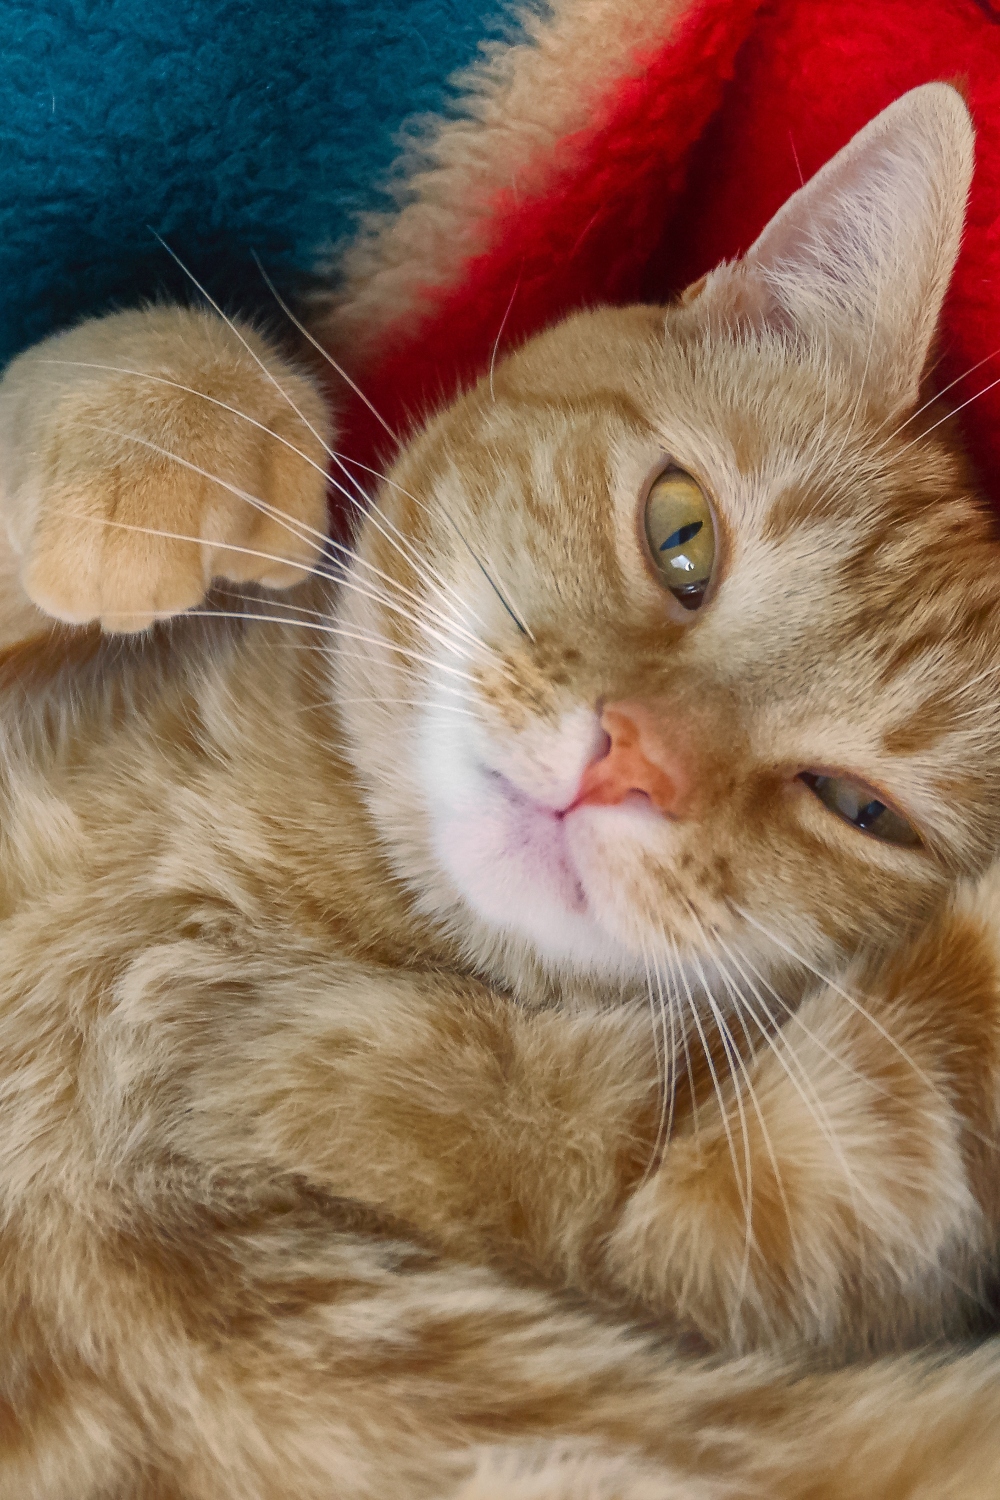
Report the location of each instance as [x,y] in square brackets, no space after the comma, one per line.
[227,126]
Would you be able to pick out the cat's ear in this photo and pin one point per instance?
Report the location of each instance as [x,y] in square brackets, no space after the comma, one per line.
[859,259]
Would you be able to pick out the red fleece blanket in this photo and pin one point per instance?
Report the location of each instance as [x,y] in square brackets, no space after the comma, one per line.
[682,164]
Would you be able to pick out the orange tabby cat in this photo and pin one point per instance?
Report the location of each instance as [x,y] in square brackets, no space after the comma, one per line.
[557,936]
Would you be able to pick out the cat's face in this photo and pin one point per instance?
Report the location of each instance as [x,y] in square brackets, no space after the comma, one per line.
[694,602]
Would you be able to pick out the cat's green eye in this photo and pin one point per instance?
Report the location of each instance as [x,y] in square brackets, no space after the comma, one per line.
[858,805]
[681,535]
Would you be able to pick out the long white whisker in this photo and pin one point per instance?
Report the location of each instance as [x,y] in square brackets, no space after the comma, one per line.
[372,513]
[318,614]
[742,1187]
[778,1042]
[494,585]
[293,525]
[452,708]
[839,990]
[678,977]
[349,583]
[673,1000]
[521,624]
[795,1018]
[324,353]
[338,631]
[948,416]
[735,1060]
[332,454]
[234,329]
[855,1185]
[935,398]
[496,343]
[742,1005]
[391,483]
[177,385]
[443,586]
[665,1123]
[258,504]
[661,1072]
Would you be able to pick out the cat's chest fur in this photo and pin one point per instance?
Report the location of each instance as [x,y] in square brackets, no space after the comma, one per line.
[216,780]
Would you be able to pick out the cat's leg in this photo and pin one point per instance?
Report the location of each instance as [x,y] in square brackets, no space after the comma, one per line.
[526,1140]
[286,1358]
[865,1156]
[145,453]
[499,1136]
[849,1194]
[368,1380]
[260,1355]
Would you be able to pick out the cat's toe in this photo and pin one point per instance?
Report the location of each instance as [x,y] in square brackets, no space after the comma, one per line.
[123,583]
[125,539]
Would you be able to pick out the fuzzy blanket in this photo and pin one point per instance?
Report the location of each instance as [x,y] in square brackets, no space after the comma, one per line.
[604,150]
[227,126]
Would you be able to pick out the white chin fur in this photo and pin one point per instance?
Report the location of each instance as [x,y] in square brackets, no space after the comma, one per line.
[509,857]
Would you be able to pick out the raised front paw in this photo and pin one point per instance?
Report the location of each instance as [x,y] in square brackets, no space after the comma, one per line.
[144,454]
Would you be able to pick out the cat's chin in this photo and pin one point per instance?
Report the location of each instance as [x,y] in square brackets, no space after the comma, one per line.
[516,863]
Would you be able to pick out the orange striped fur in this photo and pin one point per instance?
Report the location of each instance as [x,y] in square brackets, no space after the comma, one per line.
[367,1135]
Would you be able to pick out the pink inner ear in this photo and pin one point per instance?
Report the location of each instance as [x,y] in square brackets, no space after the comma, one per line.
[860,257]
[681,167]
[807,217]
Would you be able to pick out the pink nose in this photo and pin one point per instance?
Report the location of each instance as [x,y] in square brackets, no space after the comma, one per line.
[637,760]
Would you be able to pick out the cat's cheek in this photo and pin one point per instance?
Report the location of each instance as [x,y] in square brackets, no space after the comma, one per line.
[645,882]
[619,854]
[510,861]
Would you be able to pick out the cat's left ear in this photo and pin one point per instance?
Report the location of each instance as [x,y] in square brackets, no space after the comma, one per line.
[859,259]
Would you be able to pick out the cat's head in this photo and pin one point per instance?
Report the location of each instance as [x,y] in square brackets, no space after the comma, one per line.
[678,635]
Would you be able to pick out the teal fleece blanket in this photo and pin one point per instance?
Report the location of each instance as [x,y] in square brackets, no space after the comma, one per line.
[228,127]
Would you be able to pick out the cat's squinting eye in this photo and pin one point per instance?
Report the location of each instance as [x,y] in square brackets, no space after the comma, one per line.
[858,805]
[681,535]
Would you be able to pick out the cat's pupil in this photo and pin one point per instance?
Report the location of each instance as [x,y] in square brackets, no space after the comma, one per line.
[866,815]
[681,535]
[852,801]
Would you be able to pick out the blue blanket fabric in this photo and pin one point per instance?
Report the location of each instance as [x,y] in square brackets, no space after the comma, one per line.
[227,126]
